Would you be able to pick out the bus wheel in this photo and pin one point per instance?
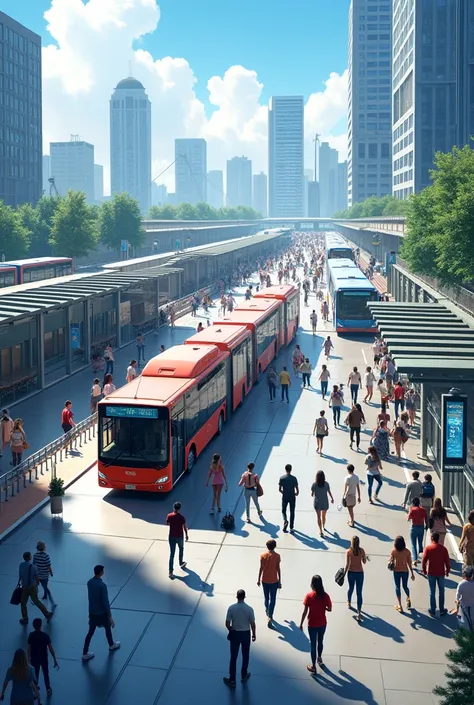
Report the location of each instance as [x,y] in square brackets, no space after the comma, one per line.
[191,459]
[220,424]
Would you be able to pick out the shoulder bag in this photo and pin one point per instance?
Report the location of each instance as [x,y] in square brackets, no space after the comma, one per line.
[391,563]
[259,489]
[339,577]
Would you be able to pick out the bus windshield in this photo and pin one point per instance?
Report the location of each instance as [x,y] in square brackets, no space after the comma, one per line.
[352,304]
[134,436]
[340,253]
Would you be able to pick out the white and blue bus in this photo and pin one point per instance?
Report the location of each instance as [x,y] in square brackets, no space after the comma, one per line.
[337,247]
[349,291]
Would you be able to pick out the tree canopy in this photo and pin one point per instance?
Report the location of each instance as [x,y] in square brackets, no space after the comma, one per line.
[14,236]
[373,207]
[120,219]
[460,678]
[74,231]
[202,211]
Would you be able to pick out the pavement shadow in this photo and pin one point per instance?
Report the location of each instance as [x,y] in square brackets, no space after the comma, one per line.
[369,531]
[194,582]
[310,541]
[267,527]
[377,625]
[338,461]
[439,626]
[338,540]
[291,633]
[346,687]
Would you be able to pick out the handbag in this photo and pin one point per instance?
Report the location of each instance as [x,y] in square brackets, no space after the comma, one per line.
[25,445]
[344,502]
[259,489]
[15,599]
[391,564]
[339,577]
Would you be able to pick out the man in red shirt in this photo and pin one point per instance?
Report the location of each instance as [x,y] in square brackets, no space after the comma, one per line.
[67,417]
[436,565]
[178,528]
[399,398]
[417,516]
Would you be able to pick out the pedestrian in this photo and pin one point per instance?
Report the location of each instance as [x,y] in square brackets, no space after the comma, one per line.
[99,613]
[369,384]
[384,393]
[172,316]
[325,310]
[18,442]
[28,580]
[272,381]
[288,487]
[436,565]
[223,304]
[219,480]
[466,545]
[67,417]
[250,481]
[269,576]
[374,467]
[400,437]
[320,430]
[131,371]
[398,398]
[297,358]
[96,395]
[400,563]
[200,327]
[178,530]
[465,598]
[285,382]
[354,569]
[336,400]
[354,419]
[328,346]
[42,561]
[320,491]
[324,377]
[39,644]
[316,604]
[140,348]
[354,382]
[22,677]
[351,492]
[109,386]
[239,622]
[384,416]
[162,349]
[438,520]
[418,517]
[380,439]
[412,489]
[427,492]
[6,427]
[314,321]
[109,359]
[410,405]
[306,369]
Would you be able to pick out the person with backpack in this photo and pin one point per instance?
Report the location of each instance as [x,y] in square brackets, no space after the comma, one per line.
[427,493]
[272,381]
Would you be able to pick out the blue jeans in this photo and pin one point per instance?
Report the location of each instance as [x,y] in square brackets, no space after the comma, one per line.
[336,414]
[47,592]
[356,579]
[141,352]
[109,367]
[417,534]
[284,392]
[401,577]
[354,392]
[370,482]
[271,391]
[399,404]
[173,543]
[434,580]
[324,388]
[270,595]
[306,378]
[316,637]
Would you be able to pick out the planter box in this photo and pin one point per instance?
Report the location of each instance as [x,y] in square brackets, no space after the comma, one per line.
[56,505]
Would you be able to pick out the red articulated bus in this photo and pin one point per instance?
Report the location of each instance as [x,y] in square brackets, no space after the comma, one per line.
[237,341]
[8,276]
[152,429]
[40,268]
[290,295]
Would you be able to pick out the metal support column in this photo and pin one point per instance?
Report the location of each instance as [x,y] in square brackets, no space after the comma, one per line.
[423,454]
[68,347]
[118,331]
[40,348]
[87,331]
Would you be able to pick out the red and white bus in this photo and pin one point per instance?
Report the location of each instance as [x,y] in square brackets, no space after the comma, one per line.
[237,341]
[290,295]
[152,429]
[40,268]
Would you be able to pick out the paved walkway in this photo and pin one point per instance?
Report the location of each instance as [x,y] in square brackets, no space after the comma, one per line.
[172,632]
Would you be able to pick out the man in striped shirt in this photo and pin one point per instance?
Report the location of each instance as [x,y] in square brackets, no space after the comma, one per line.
[42,561]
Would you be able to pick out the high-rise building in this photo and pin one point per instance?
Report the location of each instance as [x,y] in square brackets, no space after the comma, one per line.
[46,173]
[328,179]
[130,142]
[98,182]
[341,199]
[215,188]
[72,166]
[260,193]
[239,182]
[433,86]
[369,100]
[307,177]
[313,199]
[285,155]
[190,170]
[159,194]
[21,136]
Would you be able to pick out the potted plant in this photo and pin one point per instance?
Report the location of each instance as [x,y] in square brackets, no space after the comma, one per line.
[56,493]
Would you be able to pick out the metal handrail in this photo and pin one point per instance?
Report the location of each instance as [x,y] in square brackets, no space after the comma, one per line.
[46,459]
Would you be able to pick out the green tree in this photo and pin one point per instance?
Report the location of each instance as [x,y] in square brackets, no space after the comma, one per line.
[74,231]
[204,211]
[14,236]
[120,219]
[41,237]
[186,211]
[419,246]
[375,207]
[460,686]
[167,212]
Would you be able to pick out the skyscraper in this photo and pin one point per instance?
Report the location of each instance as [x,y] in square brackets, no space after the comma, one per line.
[341,200]
[285,155]
[72,166]
[130,142]
[239,182]
[328,179]
[369,100]
[190,170]
[215,188]
[313,199]
[260,193]
[433,86]
[21,136]
[98,182]
[46,172]
[159,194]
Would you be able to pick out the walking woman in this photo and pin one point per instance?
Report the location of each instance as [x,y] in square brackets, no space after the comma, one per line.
[217,473]
[439,521]
[109,385]
[355,560]
[22,677]
[250,481]
[306,369]
[18,441]
[401,564]
[6,427]
[400,437]
[410,405]
[96,395]
[320,491]
[384,393]
[324,377]
[328,346]
[374,467]
[336,400]
[351,494]
[466,545]
[320,430]
[369,384]
[316,604]
[354,419]
[380,439]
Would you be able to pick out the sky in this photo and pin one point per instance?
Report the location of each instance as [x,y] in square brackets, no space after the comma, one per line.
[209,69]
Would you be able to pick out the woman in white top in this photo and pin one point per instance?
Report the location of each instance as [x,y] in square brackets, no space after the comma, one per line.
[109,386]
[320,430]
[324,377]
[250,481]
[369,384]
[96,395]
[351,495]
[354,382]
[17,441]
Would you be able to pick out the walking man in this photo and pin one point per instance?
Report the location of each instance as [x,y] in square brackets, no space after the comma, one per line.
[239,622]
[99,613]
[413,489]
[28,579]
[314,321]
[285,382]
[436,565]
[288,486]
[42,561]
[354,382]
[39,644]
[67,417]
[269,576]
[178,529]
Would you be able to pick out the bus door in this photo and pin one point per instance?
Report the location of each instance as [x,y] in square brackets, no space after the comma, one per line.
[249,361]
[178,444]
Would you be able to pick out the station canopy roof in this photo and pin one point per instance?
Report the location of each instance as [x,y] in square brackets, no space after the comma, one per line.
[428,341]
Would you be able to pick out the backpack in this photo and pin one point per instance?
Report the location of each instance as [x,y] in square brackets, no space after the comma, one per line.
[228,522]
[428,490]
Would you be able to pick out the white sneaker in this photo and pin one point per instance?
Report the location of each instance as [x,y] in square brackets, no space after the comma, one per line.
[88,656]
[115,646]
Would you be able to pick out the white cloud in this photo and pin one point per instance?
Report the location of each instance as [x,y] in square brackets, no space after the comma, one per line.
[93,45]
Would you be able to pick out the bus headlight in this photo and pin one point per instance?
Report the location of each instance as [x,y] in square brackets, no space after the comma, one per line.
[102,476]
[161,480]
